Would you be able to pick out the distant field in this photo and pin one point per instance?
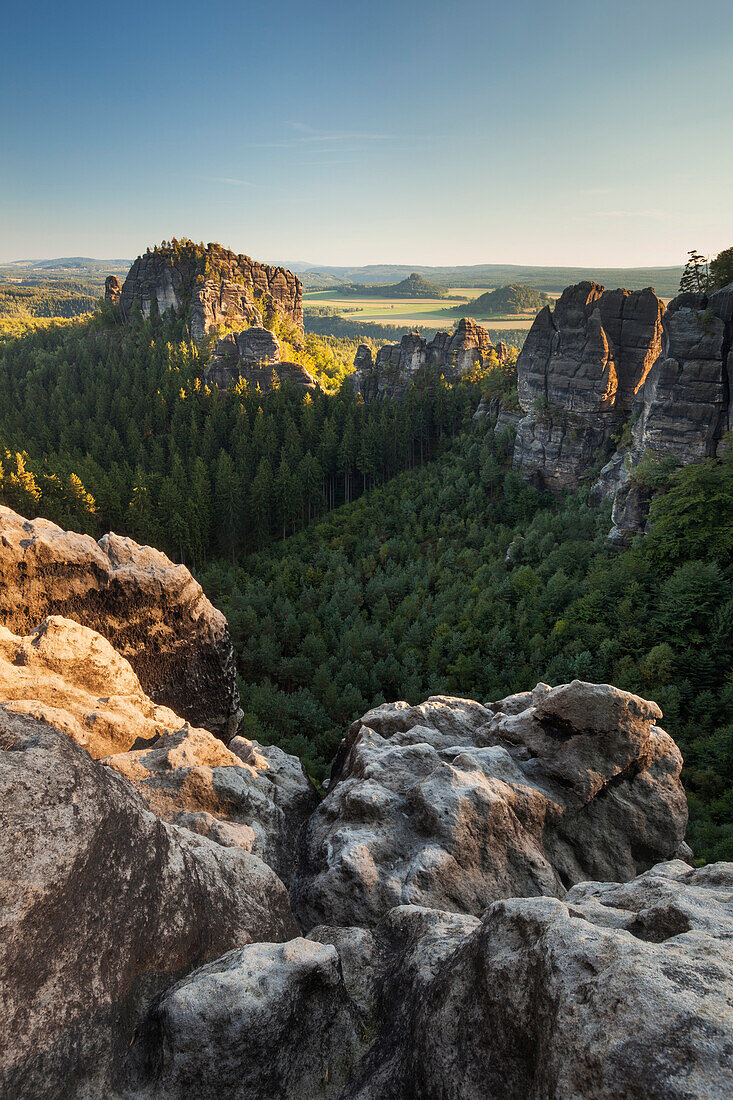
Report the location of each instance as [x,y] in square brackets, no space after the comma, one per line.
[429,312]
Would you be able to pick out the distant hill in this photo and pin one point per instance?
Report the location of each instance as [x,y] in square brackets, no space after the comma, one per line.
[512,299]
[414,286]
[665,280]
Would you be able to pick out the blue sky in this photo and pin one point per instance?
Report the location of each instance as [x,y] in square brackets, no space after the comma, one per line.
[402,132]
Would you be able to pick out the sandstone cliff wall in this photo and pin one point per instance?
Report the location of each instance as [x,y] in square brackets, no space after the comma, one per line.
[209,287]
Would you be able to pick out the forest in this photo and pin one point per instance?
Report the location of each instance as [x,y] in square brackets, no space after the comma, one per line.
[371,552]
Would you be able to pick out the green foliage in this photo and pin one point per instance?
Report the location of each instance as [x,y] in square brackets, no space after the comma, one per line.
[694,520]
[414,286]
[512,299]
[721,269]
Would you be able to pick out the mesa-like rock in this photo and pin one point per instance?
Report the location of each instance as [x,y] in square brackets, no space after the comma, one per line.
[254,355]
[453,805]
[208,286]
[153,612]
[415,360]
[103,906]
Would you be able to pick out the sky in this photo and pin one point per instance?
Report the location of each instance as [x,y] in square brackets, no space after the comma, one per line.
[384,131]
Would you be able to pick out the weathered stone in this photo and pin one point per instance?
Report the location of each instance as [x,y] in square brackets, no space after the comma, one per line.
[209,287]
[248,795]
[112,290]
[452,806]
[577,375]
[500,413]
[416,361]
[684,408]
[617,991]
[266,1022]
[153,612]
[254,355]
[102,907]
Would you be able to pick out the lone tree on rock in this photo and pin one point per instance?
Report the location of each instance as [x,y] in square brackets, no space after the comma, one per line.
[696,276]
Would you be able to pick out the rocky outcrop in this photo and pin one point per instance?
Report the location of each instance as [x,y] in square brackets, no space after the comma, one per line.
[414,360]
[577,375]
[208,287]
[152,611]
[453,805]
[685,407]
[615,991]
[247,795]
[112,290]
[103,906]
[501,413]
[254,355]
[266,1021]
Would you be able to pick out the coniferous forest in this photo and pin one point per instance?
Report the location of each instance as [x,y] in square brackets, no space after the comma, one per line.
[383,551]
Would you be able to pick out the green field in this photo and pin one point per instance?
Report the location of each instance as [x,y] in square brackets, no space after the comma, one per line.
[430,312]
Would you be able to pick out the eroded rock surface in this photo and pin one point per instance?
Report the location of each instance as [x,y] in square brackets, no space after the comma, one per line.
[209,286]
[452,805]
[577,374]
[415,360]
[254,355]
[103,906]
[112,290]
[266,1021]
[617,991]
[247,795]
[153,612]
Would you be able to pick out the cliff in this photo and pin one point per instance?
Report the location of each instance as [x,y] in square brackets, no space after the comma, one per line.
[611,366]
[209,286]
[577,374]
[417,361]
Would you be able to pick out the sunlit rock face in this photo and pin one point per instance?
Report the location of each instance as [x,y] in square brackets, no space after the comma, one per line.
[152,611]
[577,374]
[208,287]
[254,355]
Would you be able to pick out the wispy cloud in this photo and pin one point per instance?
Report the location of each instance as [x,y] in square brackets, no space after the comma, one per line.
[627,214]
[305,135]
[229,180]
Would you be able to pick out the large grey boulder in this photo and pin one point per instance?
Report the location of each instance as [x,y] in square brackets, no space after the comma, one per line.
[266,1022]
[617,991]
[254,356]
[452,805]
[103,906]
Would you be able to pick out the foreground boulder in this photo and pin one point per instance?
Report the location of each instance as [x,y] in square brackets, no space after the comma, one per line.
[247,795]
[153,612]
[453,805]
[103,906]
[266,1021]
[617,991]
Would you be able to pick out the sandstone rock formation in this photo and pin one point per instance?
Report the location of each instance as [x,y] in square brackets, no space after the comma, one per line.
[246,795]
[268,1020]
[254,354]
[112,290]
[452,805]
[500,413]
[208,286]
[685,407]
[578,372]
[103,906]
[415,360]
[617,991]
[152,611]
